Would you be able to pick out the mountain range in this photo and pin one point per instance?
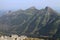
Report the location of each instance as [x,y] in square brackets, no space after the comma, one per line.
[31,22]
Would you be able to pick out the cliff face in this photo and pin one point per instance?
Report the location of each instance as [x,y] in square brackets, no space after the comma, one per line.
[31,22]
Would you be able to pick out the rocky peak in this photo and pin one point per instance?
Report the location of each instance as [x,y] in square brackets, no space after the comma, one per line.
[48,9]
[32,8]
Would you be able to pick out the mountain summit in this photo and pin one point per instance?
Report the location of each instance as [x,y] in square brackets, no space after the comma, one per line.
[32,8]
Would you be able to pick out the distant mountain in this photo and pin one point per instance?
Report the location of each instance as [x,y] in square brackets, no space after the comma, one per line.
[1,13]
[31,22]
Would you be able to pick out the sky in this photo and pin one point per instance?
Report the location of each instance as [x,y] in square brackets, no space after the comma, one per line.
[24,4]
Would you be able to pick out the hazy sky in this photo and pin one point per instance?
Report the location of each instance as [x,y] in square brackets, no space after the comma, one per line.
[24,4]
